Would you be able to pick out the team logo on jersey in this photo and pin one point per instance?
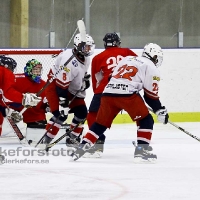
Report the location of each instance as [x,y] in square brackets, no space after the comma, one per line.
[66,69]
[75,63]
[156,78]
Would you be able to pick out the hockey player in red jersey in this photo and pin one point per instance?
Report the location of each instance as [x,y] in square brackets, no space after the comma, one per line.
[131,75]
[67,83]
[102,67]
[8,93]
[30,81]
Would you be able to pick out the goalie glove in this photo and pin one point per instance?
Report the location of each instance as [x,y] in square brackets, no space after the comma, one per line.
[30,100]
[86,82]
[162,115]
[15,116]
[8,112]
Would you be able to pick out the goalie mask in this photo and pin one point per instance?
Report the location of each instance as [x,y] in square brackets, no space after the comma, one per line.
[8,63]
[111,40]
[154,53]
[89,47]
[33,69]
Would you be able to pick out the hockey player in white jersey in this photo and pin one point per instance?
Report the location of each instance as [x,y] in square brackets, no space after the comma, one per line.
[72,78]
[131,75]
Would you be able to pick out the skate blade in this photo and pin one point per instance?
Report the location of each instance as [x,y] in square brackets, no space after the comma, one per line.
[139,160]
[73,157]
[96,154]
[70,150]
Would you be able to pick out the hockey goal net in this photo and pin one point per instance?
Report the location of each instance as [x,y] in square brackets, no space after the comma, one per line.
[22,56]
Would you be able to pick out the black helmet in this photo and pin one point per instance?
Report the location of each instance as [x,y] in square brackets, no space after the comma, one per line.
[111,40]
[8,62]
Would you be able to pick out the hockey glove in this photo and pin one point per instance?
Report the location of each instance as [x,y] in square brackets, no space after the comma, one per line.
[45,105]
[64,102]
[59,117]
[86,82]
[30,99]
[16,116]
[47,108]
[162,115]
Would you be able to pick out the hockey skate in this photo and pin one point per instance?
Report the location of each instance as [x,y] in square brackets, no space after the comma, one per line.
[46,140]
[72,143]
[80,151]
[143,154]
[95,151]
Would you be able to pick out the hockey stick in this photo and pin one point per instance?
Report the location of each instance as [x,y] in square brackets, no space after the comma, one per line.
[15,128]
[55,55]
[180,128]
[17,131]
[191,135]
[64,135]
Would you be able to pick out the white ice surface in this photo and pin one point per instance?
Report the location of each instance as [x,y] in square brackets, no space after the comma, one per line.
[176,175]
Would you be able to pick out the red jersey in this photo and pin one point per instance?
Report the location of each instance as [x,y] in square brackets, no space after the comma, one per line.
[7,80]
[103,65]
[25,84]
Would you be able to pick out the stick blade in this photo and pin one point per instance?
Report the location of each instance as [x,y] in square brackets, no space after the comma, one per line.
[82,30]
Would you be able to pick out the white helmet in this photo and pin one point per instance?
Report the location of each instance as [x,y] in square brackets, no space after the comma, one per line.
[154,53]
[88,49]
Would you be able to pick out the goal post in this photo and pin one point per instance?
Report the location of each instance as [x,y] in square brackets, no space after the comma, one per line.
[22,56]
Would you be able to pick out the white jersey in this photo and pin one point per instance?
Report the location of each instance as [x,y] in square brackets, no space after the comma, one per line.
[72,75]
[133,74]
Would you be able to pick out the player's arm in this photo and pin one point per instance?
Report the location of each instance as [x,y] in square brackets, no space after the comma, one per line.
[151,97]
[8,89]
[151,88]
[153,102]
[51,94]
[93,73]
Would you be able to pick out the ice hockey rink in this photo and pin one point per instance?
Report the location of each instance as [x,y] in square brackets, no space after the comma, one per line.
[176,175]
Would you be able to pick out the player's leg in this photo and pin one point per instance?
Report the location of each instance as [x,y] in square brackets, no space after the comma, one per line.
[144,133]
[107,112]
[93,109]
[79,109]
[97,150]
[139,113]
[53,126]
